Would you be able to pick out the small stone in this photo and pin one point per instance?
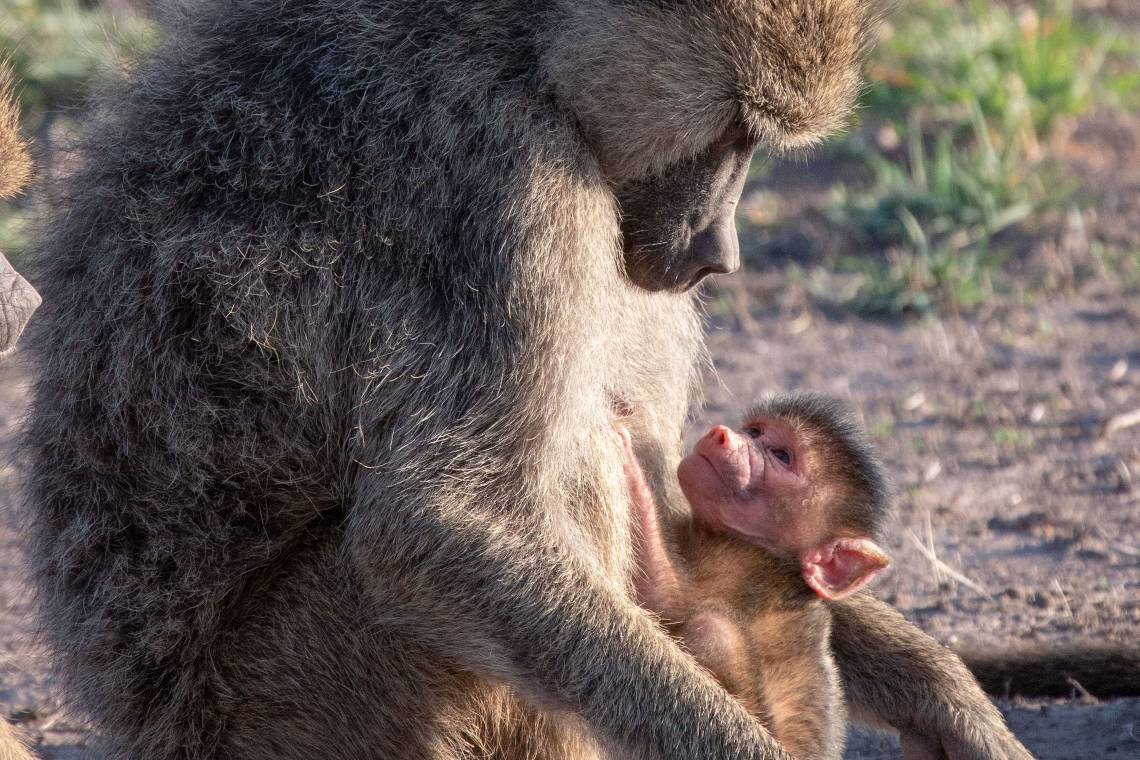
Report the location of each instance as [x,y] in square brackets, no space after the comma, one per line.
[914,401]
[888,138]
[932,471]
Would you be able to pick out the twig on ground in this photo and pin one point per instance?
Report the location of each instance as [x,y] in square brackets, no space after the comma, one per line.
[930,549]
[1119,422]
[1064,599]
[1080,691]
[940,566]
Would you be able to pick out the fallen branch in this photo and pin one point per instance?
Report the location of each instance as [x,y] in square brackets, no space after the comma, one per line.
[941,567]
[1119,422]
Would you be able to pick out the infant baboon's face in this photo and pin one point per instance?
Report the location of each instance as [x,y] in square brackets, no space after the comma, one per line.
[754,481]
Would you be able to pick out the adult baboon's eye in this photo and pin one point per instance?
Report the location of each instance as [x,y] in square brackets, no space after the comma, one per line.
[783,456]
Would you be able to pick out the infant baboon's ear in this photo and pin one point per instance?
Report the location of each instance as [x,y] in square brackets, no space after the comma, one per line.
[839,568]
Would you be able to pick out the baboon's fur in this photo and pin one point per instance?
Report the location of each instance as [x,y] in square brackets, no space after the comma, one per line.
[844,453]
[12,746]
[782,66]
[334,320]
[15,165]
[786,674]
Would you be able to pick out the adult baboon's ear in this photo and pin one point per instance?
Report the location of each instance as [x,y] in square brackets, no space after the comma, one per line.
[18,300]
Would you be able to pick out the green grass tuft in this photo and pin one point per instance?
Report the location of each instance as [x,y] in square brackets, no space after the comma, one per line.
[963,99]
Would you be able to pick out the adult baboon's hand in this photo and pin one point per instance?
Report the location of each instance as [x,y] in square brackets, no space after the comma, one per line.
[18,300]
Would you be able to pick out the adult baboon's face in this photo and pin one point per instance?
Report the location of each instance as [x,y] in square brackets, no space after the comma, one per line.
[678,225]
[667,95]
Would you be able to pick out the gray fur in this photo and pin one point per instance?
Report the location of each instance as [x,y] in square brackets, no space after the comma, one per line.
[334,318]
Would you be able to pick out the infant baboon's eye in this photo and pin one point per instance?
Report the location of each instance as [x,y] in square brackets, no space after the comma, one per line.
[753,432]
[784,457]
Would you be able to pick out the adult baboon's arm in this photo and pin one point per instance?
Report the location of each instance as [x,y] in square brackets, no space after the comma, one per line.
[895,674]
[505,594]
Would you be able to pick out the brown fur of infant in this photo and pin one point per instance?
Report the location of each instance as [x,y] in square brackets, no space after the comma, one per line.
[786,511]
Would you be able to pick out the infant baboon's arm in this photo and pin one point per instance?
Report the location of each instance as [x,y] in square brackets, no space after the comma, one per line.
[658,582]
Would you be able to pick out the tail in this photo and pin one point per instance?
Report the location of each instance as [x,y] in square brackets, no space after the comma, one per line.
[15,166]
[11,746]
[1100,670]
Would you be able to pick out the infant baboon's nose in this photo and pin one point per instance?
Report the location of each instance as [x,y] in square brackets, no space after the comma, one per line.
[721,436]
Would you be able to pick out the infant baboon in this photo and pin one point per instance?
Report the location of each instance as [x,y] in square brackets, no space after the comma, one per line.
[335,305]
[785,513]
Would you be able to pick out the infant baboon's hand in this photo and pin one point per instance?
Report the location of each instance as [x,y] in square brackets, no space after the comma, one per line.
[625,441]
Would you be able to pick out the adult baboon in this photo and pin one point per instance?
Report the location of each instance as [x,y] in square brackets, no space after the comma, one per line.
[335,319]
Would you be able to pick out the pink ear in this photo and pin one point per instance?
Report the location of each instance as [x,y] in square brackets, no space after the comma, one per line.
[838,569]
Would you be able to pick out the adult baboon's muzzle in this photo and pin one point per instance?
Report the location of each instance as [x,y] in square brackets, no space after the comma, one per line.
[716,250]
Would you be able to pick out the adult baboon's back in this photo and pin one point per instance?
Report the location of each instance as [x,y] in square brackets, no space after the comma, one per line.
[336,314]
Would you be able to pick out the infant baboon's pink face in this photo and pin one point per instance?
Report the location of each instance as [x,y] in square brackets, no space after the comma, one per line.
[753,482]
[760,483]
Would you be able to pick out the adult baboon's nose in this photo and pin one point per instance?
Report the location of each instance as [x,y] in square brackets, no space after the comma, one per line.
[715,250]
